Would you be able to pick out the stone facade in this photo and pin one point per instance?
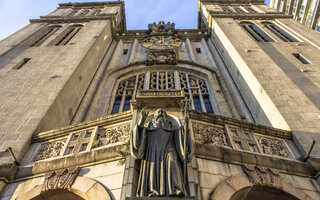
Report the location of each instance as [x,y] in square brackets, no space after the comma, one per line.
[74,82]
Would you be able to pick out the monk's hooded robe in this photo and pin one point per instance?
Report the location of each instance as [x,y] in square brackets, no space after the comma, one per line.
[161,152]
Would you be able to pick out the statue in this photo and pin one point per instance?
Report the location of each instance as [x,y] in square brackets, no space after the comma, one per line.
[162,152]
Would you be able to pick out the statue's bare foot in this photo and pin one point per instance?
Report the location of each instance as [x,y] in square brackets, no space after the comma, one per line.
[179,193]
[152,195]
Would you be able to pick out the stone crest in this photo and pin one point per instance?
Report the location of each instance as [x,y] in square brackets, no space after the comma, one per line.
[262,175]
[161,57]
[60,179]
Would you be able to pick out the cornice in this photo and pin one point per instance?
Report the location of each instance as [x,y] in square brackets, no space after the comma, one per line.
[71,19]
[252,16]
[233,1]
[86,4]
[183,34]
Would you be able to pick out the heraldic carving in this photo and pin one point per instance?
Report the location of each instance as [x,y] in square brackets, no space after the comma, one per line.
[262,176]
[60,179]
[161,57]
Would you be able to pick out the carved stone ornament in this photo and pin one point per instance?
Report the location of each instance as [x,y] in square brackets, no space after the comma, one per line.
[60,179]
[161,57]
[273,147]
[262,176]
[207,134]
[161,42]
[49,150]
[113,134]
[161,28]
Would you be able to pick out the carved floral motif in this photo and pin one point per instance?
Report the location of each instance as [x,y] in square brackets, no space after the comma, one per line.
[113,134]
[207,134]
[273,147]
[262,175]
[49,150]
[60,179]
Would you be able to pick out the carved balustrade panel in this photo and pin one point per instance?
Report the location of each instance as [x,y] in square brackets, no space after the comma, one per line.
[111,135]
[273,146]
[209,134]
[83,140]
[49,150]
[242,137]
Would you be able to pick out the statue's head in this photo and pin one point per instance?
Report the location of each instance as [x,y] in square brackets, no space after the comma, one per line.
[160,113]
[160,119]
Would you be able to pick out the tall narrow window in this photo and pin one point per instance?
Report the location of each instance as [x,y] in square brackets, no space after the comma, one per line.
[43,36]
[301,58]
[283,35]
[67,35]
[20,64]
[256,32]
[229,9]
[240,9]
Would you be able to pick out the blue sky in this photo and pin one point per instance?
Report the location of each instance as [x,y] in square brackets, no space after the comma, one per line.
[15,14]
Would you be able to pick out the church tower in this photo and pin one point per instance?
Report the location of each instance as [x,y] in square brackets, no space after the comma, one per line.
[236,103]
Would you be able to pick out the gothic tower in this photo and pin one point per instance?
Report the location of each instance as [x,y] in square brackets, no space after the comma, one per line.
[74,84]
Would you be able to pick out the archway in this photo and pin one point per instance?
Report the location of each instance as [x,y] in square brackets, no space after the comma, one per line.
[262,193]
[82,189]
[239,187]
[62,195]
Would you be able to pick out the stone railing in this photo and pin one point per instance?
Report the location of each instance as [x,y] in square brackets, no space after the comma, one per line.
[107,131]
[240,135]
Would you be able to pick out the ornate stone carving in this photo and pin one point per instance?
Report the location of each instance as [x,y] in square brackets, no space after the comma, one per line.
[161,28]
[161,57]
[262,175]
[49,150]
[113,134]
[273,147]
[60,179]
[161,42]
[207,134]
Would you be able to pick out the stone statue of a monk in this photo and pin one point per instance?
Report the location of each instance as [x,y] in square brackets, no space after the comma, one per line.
[161,151]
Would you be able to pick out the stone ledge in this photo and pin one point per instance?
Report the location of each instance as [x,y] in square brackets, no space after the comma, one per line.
[242,157]
[80,159]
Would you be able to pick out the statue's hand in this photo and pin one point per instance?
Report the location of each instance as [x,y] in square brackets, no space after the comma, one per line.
[144,114]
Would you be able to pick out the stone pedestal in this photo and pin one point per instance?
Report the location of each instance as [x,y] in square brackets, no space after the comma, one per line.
[161,198]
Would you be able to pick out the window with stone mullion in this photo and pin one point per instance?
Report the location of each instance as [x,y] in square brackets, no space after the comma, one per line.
[50,31]
[194,87]
[284,36]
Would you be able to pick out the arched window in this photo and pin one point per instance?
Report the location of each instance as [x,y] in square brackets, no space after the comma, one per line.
[283,35]
[194,87]
[258,34]
[44,35]
[68,34]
